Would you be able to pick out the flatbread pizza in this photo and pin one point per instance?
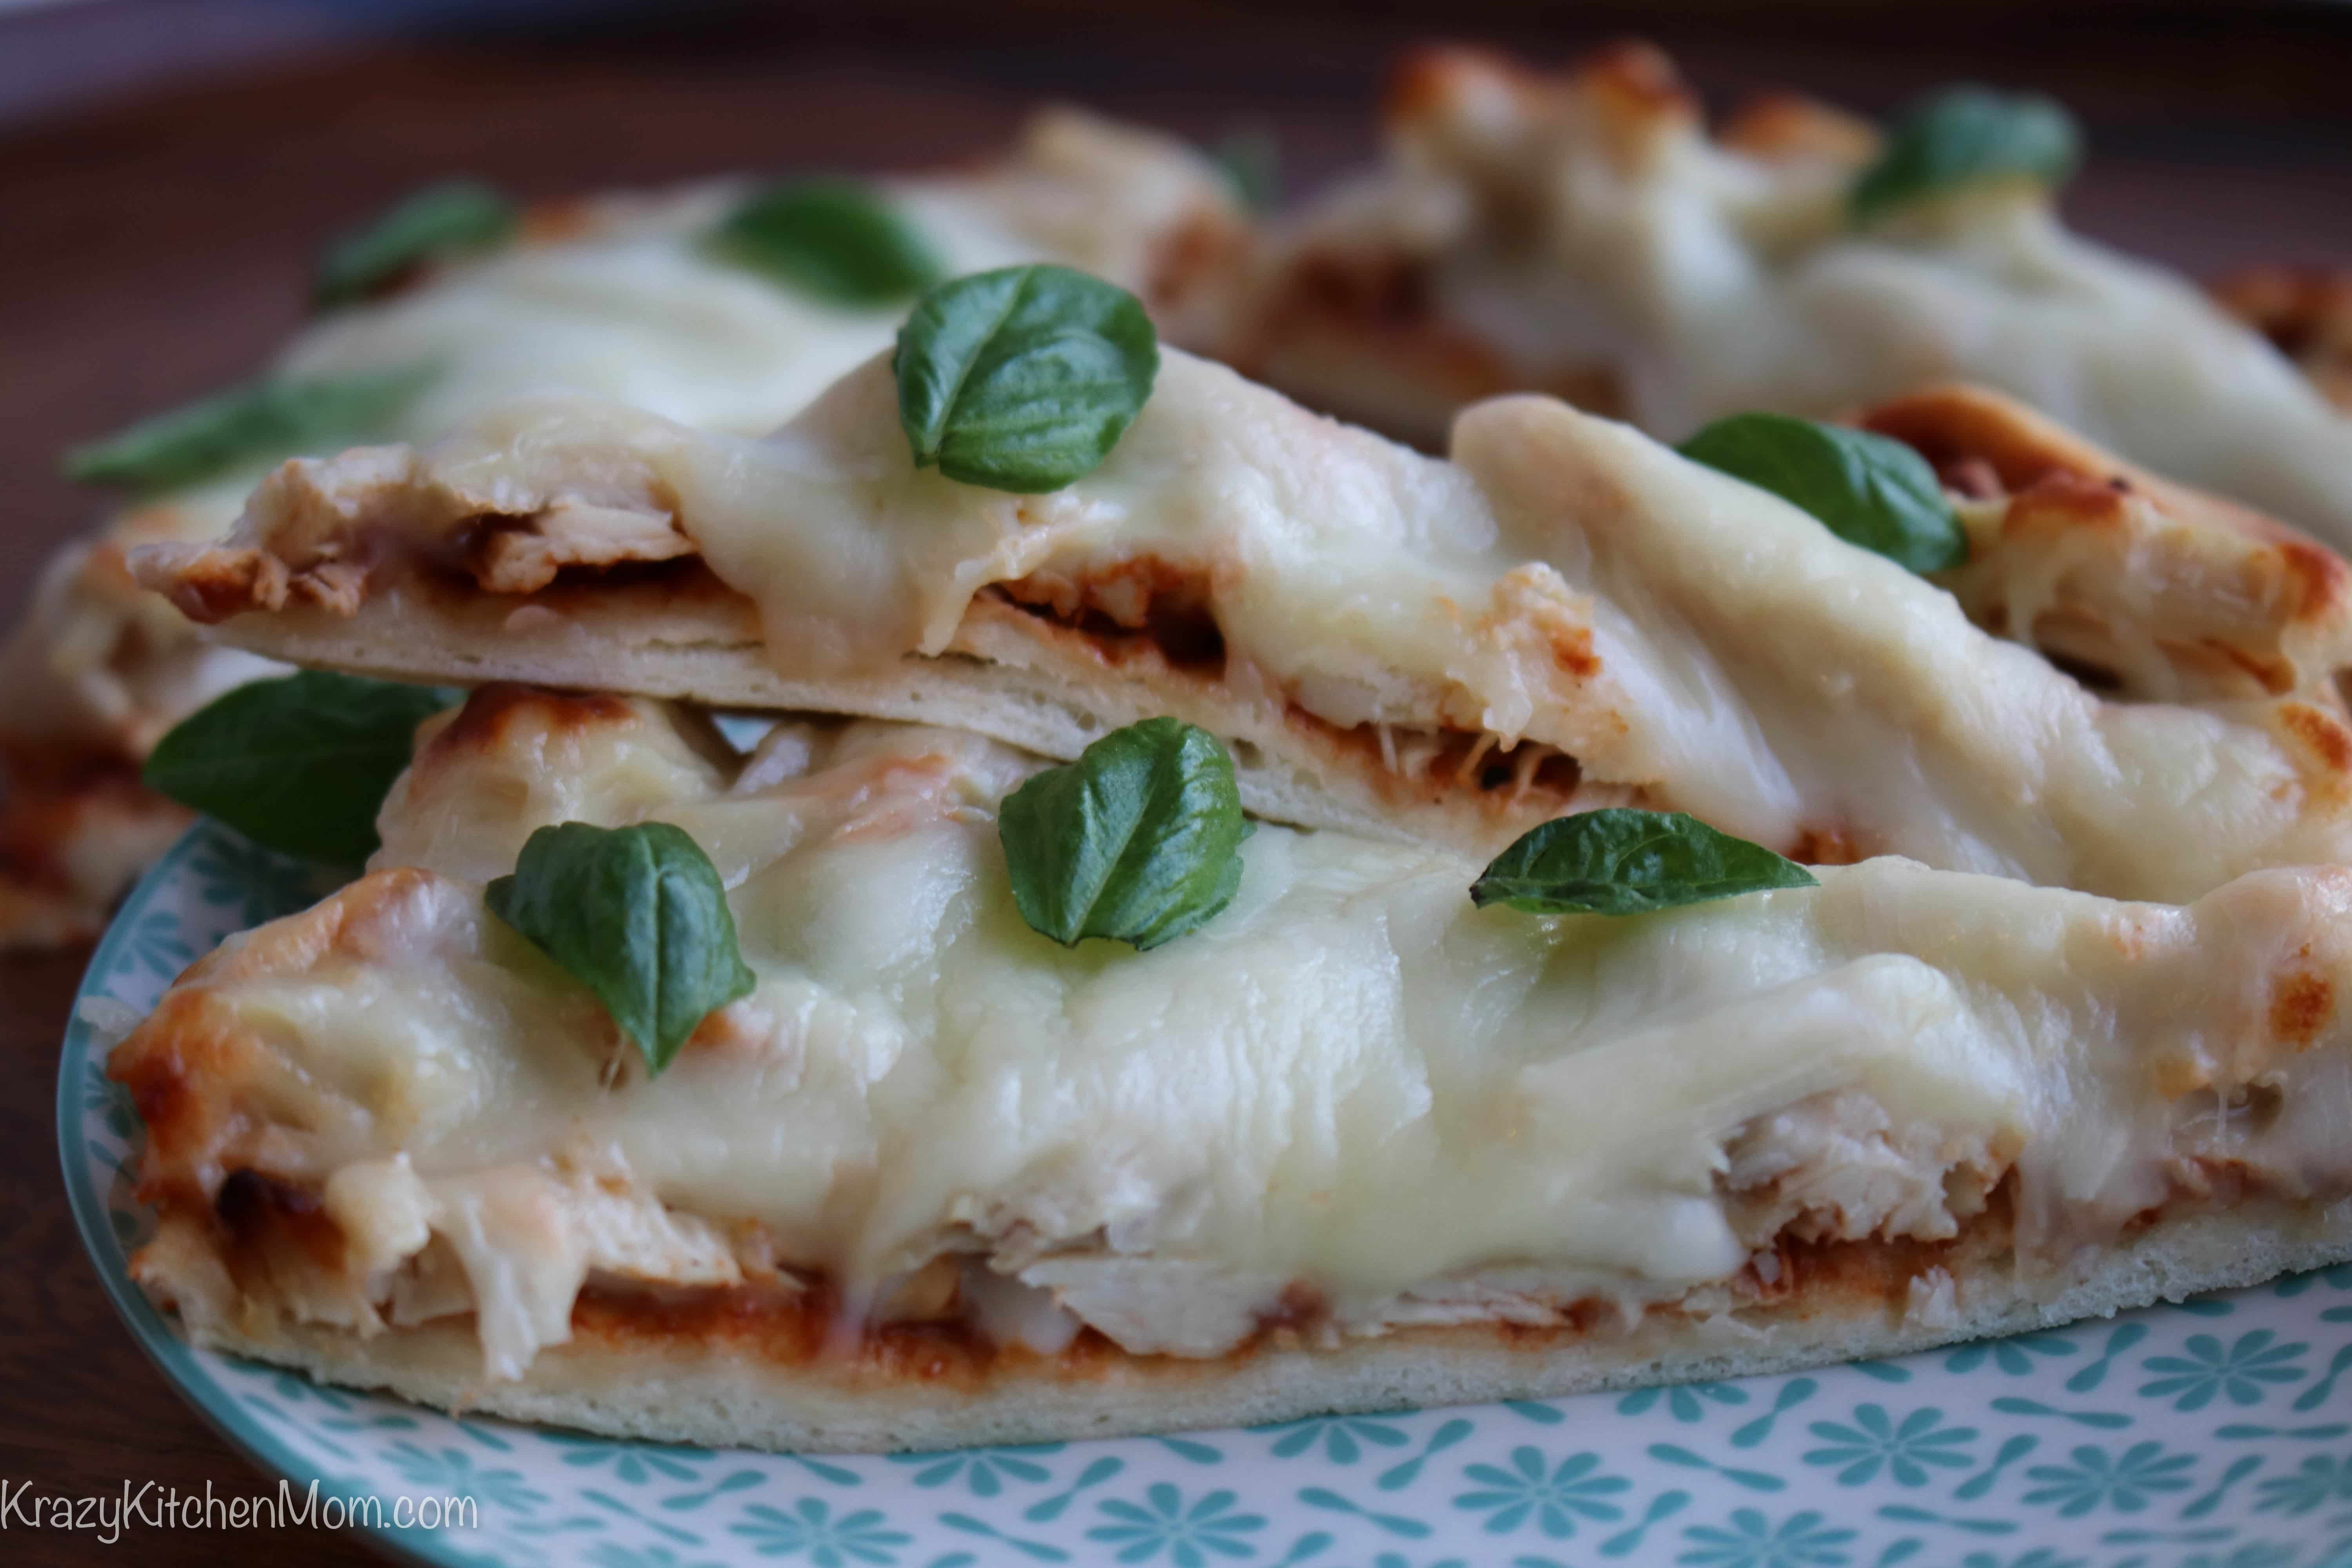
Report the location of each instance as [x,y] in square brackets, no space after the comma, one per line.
[1346,1141]
[725,305]
[2113,683]
[1821,891]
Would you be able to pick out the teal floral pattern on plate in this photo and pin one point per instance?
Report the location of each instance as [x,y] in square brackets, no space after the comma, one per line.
[2213,1435]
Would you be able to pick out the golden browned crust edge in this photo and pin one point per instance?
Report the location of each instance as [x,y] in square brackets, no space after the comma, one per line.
[1775,125]
[1956,423]
[1633,83]
[2115,561]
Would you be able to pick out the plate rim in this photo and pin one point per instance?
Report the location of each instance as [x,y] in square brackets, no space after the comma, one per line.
[165,1349]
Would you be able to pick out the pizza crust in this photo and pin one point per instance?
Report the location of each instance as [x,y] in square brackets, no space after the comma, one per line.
[723,1395]
[1007,676]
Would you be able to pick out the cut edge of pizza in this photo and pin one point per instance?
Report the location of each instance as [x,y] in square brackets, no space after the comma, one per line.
[1565,615]
[1351,1143]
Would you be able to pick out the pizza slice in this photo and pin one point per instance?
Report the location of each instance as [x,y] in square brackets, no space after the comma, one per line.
[1338,1138]
[726,305]
[2122,687]
[1581,233]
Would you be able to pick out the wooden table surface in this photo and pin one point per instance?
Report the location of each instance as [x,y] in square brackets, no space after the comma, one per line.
[155,246]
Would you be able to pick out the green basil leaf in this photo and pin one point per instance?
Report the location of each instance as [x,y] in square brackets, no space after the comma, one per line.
[1138,840]
[1965,136]
[300,763]
[834,239]
[1869,490]
[1625,862]
[1252,163]
[636,914]
[1023,379]
[440,220]
[252,423]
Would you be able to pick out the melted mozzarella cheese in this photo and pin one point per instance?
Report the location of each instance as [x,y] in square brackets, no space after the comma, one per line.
[639,309]
[634,308]
[1562,579]
[1350,1078]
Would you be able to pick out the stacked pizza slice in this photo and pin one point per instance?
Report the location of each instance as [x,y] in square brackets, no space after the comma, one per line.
[728,304]
[1060,891]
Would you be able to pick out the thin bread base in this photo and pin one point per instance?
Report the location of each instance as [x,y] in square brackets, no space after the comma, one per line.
[1008,675]
[640,1383]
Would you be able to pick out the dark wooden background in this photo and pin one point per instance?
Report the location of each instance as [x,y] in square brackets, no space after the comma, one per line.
[167,168]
